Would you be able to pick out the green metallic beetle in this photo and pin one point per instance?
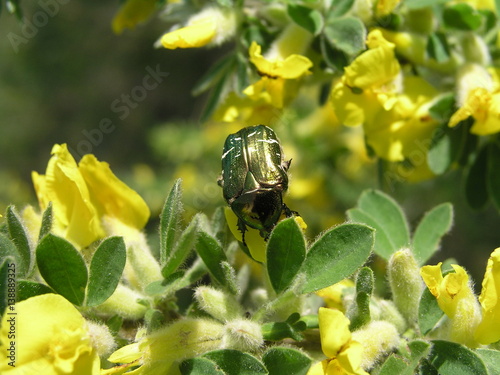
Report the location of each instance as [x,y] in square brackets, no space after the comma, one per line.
[254,178]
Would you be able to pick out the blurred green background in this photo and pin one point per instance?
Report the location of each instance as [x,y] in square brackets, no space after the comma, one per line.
[66,77]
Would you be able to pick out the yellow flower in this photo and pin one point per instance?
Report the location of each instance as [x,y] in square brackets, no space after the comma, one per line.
[256,244]
[212,26]
[384,7]
[82,195]
[276,73]
[63,185]
[333,295]
[162,351]
[131,13]
[484,106]
[344,354]
[51,337]
[488,330]
[457,300]
[112,196]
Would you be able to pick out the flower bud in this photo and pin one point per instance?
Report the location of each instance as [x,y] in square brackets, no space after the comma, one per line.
[377,338]
[405,283]
[101,338]
[123,302]
[242,334]
[220,305]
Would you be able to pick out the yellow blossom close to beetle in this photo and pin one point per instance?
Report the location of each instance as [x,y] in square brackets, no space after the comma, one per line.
[85,193]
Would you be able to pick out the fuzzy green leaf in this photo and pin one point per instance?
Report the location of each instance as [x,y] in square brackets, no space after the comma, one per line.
[210,251]
[200,366]
[434,225]
[461,16]
[27,289]
[169,221]
[9,249]
[309,19]
[106,270]
[62,267]
[382,213]
[437,47]
[47,218]
[429,312]
[450,358]
[279,360]
[286,251]
[347,34]
[491,359]
[337,254]
[234,362]
[7,283]
[339,8]
[19,236]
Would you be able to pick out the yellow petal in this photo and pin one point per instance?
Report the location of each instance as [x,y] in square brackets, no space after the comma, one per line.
[198,34]
[113,197]
[132,13]
[350,358]
[476,105]
[62,346]
[76,218]
[294,66]
[318,368]
[374,67]
[488,330]
[334,331]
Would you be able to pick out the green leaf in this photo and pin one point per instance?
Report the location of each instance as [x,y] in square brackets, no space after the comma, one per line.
[493,177]
[364,289]
[347,34]
[396,365]
[336,255]
[434,225]
[106,270]
[7,283]
[443,108]
[309,19]
[446,147]
[200,366]
[450,358]
[234,362]
[46,226]
[491,359]
[279,361]
[291,328]
[20,238]
[339,8]
[333,57]
[476,191]
[381,212]
[429,312]
[9,249]
[62,267]
[437,47]
[211,253]
[27,289]
[169,221]
[216,71]
[154,319]
[461,17]
[183,247]
[286,251]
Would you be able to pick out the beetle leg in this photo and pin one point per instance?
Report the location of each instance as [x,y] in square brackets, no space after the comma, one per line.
[288,212]
[242,228]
